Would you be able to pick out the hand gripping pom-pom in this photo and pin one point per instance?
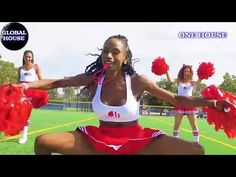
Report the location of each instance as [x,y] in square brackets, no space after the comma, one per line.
[225,120]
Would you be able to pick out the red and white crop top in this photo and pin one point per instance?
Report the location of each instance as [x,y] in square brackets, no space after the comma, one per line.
[125,113]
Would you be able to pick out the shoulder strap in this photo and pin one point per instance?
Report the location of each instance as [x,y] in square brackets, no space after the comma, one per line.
[99,87]
[128,85]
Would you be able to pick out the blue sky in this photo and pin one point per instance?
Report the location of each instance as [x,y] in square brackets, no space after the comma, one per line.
[60,48]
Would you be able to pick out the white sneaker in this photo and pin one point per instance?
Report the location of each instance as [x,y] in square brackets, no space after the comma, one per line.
[22,140]
[196,139]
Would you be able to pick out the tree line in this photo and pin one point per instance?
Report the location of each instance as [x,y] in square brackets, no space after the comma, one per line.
[9,74]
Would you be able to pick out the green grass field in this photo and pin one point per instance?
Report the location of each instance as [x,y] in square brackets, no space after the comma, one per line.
[46,121]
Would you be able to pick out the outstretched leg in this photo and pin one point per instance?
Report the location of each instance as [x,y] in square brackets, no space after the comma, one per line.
[68,143]
[166,145]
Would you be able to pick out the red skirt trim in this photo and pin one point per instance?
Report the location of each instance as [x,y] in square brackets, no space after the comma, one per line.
[119,140]
[185,110]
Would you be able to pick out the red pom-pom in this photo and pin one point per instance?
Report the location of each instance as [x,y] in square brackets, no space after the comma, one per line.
[159,66]
[205,70]
[38,98]
[221,120]
[15,110]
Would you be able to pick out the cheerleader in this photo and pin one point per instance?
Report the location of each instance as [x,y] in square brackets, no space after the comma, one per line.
[28,72]
[185,88]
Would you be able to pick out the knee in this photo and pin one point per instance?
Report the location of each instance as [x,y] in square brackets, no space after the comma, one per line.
[41,146]
[41,140]
[199,149]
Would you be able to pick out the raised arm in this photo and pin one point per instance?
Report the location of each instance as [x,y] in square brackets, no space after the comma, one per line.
[169,80]
[197,84]
[46,84]
[168,77]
